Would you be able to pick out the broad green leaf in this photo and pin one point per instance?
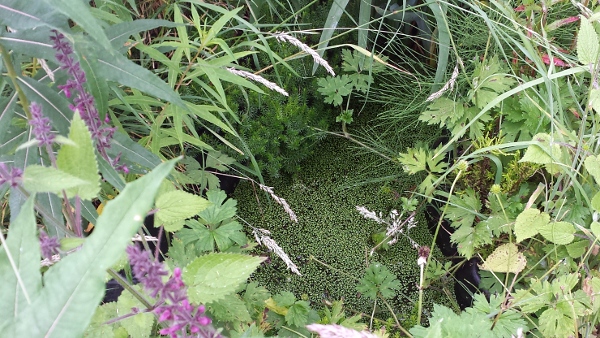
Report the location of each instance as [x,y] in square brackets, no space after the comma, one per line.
[545,151]
[140,324]
[587,42]
[20,15]
[138,159]
[54,106]
[30,42]
[592,165]
[560,233]
[213,276]
[506,258]
[79,160]
[49,179]
[120,69]
[596,201]
[179,205]
[74,286]
[80,13]
[529,222]
[23,248]
[95,81]
[577,248]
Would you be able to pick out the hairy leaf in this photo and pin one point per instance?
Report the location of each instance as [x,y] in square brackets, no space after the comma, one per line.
[178,205]
[560,233]
[37,178]
[587,42]
[529,222]
[213,276]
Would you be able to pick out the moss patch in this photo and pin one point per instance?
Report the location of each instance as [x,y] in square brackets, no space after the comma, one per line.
[324,196]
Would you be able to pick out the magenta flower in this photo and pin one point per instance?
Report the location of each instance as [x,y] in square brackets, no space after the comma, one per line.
[181,319]
[42,129]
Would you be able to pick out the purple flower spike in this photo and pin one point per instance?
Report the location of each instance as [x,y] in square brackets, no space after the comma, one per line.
[83,102]
[49,245]
[11,176]
[174,310]
[42,129]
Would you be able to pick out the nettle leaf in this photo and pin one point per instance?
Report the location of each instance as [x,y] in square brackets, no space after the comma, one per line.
[178,205]
[139,325]
[79,160]
[444,112]
[489,82]
[335,88]
[37,178]
[230,308]
[506,258]
[378,280]
[587,42]
[560,233]
[529,222]
[592,165]
[213,276]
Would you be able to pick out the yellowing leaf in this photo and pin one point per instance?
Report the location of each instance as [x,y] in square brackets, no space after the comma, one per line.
[529,222]
[506,258]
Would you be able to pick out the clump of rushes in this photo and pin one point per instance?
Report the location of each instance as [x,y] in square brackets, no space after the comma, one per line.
[179,317]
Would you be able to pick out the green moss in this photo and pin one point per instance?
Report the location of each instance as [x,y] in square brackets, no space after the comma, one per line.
[324,196]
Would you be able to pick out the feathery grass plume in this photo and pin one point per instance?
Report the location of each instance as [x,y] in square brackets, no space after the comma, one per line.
[448,85]
[282,36]
[259,79]
[281,201]
[395,225]
[262,238]
[338,331]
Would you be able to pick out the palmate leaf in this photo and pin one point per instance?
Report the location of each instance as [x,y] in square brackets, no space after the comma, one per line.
[444,112]
[463,208]
[220,210]
[489,82]
[213,276]
[74,286]
[335,88]
[378,280]
[204,238]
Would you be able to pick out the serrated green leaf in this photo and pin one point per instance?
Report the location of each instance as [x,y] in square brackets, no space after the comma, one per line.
[23,246]
[468,238]
[297,314]
[595,227]
[284,299]
[98,328]
[554,323]
[230,309]
[592,165]
[220,210]
[139,325]
[213,276]
[545,151]
[505,258]
[560,233]
[463,208]
[489,82]
[37,178]
[444,112]
[414,160]
[79,160]
[578,248]
[587,42]
[255,296]
[335,88]
[218,161]
[529,222]
[178,205]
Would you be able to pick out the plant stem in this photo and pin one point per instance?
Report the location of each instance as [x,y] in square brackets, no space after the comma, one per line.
[421,282]
[129,288]
[396,318]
